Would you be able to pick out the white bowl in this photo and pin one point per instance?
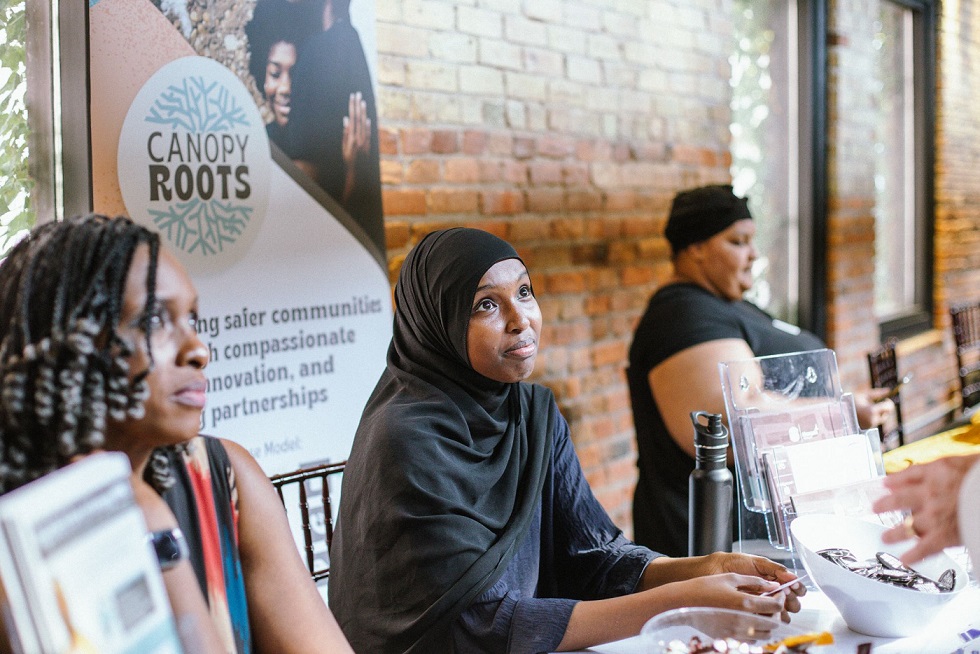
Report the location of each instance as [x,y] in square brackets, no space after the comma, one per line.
[712,624]
[868,606]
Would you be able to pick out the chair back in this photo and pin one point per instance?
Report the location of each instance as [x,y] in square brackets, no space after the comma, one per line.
[966,335]
[298,488]
[884,374]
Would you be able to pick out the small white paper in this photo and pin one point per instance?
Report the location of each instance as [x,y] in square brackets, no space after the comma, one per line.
[830,462]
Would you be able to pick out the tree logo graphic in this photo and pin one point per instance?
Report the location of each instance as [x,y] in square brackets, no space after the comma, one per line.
[194,162]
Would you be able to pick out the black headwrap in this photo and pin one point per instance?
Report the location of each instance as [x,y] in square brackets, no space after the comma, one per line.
[698,214]
[447,465]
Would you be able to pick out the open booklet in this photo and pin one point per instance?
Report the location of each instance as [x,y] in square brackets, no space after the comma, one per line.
[77,573]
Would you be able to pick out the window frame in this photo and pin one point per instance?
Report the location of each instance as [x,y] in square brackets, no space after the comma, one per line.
[813,181]
[924,23]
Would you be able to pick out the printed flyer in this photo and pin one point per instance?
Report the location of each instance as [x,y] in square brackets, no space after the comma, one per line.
[116,603]
[246,133]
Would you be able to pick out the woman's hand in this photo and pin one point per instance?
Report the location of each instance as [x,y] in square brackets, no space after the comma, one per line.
[769,575]
[875,409]
[356,141]
[730,590]
[930,491]
[731,581]
[357,129]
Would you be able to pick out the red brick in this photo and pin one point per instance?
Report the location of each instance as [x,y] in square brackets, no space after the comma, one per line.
[608,228]
[394,266]
[453,201]
[565,282]
[604,278]
[474,142]
[445,142]
[583,201]
[609,353]
[637,275]
[403,202]
[500,143]
[502,202]
[523,148]
[596,304]
[640,226]
[555,147]
[391,172]
[416,141]
[620,200]
[589,151]
[462,171]
[498,228]
[575,174]
[545,200]
[622,152]
[565,229]
[545,173]
[422,171]
[490,171]
[515,172]
[396,234]
[387,141]
[533,229]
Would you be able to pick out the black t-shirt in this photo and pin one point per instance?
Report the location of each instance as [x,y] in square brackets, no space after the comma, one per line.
[680,316]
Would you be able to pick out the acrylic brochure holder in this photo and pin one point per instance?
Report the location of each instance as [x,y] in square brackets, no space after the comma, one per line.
[798,447]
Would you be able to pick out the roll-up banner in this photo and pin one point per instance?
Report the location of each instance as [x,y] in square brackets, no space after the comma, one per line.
[245,132]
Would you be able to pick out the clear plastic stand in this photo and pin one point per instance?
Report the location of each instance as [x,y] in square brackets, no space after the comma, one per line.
[798,448]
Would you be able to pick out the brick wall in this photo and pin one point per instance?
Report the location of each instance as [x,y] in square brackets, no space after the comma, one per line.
[933,391]
[566,127]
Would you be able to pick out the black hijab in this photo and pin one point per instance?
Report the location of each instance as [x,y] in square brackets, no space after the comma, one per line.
[447,466]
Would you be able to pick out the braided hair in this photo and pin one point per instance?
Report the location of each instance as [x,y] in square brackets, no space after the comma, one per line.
[63,364]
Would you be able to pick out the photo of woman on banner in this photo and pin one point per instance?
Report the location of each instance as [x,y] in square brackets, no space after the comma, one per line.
[333,127]
[275,34]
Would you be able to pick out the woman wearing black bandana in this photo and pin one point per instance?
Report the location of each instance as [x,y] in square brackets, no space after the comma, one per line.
[696,320]
[466,524]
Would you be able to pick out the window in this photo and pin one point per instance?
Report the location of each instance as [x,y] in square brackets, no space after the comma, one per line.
[779,136]
[764,129]
[16,212]
[901,55]
[776,103]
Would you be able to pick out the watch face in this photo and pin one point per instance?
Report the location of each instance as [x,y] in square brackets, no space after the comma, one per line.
[170,547]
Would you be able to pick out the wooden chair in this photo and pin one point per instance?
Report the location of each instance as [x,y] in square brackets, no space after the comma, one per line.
[966,335]
[884,374]
[316,519]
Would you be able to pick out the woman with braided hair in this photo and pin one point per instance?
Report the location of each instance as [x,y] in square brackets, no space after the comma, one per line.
[99,351]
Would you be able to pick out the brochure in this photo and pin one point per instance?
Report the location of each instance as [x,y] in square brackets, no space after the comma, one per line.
[77,573]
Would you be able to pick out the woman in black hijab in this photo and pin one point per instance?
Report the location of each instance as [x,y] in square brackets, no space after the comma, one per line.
[466,524]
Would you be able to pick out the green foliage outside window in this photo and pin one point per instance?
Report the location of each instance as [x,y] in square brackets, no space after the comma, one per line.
[16,213]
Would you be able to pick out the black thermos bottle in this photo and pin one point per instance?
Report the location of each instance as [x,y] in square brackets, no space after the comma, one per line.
[710,505]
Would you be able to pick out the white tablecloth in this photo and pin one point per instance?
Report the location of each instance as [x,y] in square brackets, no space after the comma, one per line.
[955,630]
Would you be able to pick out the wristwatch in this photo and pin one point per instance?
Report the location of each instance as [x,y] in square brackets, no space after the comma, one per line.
[170,546]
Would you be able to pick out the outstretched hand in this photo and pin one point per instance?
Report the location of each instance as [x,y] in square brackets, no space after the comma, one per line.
[357,129]
[929,491]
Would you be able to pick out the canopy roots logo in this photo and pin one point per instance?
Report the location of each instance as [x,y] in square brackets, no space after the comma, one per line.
[194,159]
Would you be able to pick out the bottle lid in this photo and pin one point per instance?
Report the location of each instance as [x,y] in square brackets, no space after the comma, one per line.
[710,436]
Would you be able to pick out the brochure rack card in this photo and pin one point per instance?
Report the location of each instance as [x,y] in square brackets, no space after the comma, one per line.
[798,448]
[76,569]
